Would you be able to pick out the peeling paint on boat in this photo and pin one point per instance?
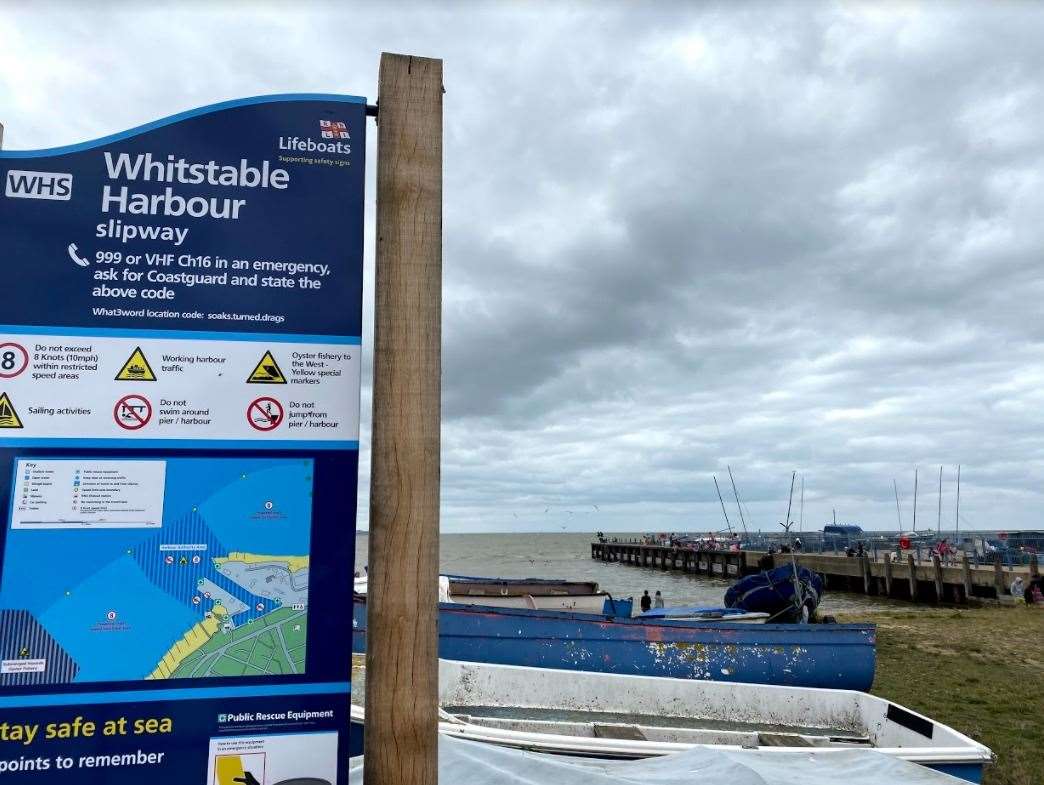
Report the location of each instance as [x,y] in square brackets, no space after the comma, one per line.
[799,655]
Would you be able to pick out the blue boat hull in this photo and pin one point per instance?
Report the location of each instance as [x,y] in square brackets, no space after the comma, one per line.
[800,655]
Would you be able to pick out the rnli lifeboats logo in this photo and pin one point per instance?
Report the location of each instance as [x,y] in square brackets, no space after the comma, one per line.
[333,129]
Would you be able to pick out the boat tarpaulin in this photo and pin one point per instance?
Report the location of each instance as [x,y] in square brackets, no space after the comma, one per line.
[463,762]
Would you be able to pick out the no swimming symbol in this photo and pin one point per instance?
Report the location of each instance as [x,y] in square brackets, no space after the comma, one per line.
[132,412]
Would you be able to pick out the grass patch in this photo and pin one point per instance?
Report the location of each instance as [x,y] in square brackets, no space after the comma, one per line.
[978,670]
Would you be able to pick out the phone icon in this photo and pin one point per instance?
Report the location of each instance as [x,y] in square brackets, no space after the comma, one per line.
[76,257]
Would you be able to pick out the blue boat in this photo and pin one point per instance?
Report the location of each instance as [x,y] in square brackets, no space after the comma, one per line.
[777,593]
[800,655]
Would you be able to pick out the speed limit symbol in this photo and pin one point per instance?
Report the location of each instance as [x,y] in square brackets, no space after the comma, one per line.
[13,360]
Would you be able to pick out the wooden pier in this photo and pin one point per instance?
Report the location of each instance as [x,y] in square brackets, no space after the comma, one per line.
[928,581]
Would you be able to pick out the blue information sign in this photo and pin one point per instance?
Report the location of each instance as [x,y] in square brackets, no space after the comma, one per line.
[179,420]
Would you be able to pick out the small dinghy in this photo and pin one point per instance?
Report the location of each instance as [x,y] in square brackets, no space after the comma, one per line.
[630,717]
[777,593]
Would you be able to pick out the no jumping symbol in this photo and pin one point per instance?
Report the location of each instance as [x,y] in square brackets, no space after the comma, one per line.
[264,413]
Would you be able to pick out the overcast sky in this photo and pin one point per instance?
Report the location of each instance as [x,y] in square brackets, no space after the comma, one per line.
[678,236]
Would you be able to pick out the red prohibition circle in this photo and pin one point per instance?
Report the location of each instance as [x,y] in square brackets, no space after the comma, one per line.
[132,412]
[16,349]
[264,413]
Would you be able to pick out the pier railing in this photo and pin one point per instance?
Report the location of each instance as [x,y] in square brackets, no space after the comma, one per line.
[883,573]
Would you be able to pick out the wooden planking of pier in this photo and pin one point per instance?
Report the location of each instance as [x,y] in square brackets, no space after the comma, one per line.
[903,578]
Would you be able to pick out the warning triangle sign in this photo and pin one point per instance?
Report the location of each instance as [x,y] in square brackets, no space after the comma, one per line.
[266,371]
[136,369]
[8,416]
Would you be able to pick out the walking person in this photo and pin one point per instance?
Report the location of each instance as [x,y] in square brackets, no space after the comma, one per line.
[646,601]
[1018,589]
[658,602]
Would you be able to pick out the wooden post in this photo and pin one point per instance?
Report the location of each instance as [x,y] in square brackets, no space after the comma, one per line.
[966,575]
[1034,566]
[998,576]
[866,573]
[402,666]
[938,574]
[913,576]
[888,574]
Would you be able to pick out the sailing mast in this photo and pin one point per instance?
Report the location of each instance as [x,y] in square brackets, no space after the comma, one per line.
[798,598]
[727,523]
[898,511]
[957,517]
[915,500]
[738,506]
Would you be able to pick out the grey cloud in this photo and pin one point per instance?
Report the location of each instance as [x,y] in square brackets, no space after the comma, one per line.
[678,236]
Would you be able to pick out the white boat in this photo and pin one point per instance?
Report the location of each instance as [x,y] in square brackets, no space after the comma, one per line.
[604,715]
[535,594]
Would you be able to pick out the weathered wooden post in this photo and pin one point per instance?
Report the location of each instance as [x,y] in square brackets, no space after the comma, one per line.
[402,670]
[888,574]
[966,576]
[998,576]
[913,576]
[1033,564]
[866,573]
[938,575]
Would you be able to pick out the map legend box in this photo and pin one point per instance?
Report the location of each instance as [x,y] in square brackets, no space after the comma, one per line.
[65,494]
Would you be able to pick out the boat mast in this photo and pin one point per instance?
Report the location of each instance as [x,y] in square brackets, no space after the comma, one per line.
[957,517]
[790,501]
[915,500]
[898,511]
[743,520]
[798,598]
[727,523]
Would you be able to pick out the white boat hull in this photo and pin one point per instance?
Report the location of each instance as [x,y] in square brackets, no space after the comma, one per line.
[646,716]
[579,603]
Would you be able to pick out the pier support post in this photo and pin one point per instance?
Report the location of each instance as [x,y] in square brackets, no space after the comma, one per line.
[888,574]
[998,576]
[1034,566]
[913,576]
[966,576]
[866,573]
[402,666]
[940,590]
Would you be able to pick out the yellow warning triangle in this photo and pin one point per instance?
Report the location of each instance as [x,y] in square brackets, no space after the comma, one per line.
[8,416]
[266,371]
[136,369]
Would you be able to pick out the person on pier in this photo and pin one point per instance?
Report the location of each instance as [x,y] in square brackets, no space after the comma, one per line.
[646,601]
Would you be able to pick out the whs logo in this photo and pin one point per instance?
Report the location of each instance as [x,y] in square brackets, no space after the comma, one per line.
[38,185]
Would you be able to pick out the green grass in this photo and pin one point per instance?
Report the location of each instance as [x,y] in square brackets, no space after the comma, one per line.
[978,670]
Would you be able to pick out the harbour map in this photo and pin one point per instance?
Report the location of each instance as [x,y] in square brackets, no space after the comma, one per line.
[102,582]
